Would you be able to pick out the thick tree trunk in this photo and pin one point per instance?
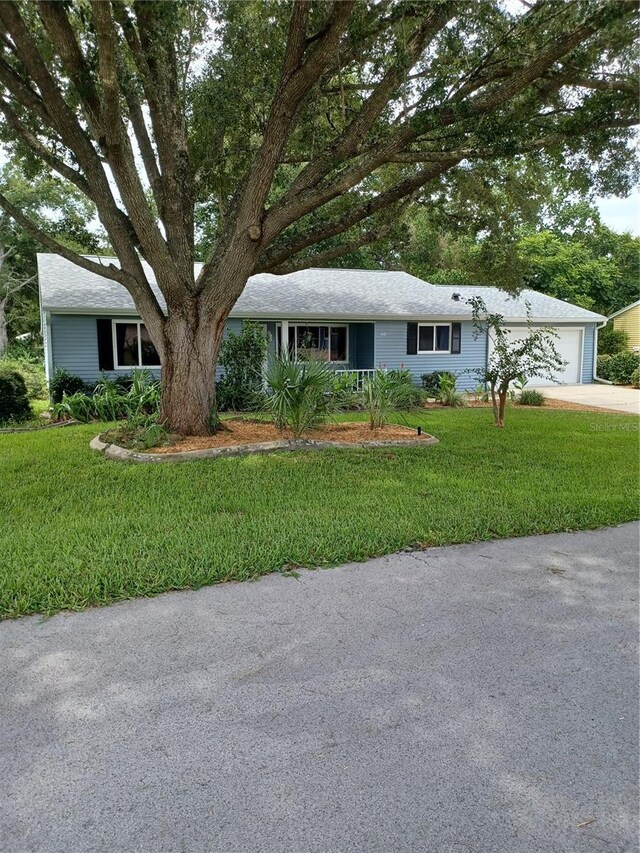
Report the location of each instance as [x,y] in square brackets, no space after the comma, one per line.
[192,340]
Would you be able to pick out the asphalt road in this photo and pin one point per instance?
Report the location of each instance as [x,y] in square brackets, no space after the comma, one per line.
[472,698]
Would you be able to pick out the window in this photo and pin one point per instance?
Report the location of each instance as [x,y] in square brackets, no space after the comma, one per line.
[434,338]
[327,343]
[132,346]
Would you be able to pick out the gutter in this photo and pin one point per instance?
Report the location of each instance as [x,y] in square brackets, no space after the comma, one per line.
[597,378]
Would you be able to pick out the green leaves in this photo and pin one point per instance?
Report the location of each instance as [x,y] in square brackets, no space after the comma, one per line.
[299,393]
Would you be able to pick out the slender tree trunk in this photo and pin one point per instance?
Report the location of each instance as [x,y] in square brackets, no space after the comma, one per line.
[192,340]
[4,337]
[502,406]
[495,404]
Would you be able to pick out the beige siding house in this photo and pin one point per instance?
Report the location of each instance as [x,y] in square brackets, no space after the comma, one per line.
[628,320]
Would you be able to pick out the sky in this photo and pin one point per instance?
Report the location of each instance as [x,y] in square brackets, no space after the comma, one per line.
[621,214]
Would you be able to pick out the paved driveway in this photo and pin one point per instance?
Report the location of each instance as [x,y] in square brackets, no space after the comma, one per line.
[474,698]
[604,396]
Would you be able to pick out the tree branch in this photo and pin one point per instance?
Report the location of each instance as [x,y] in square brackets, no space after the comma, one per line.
[349,141]
[41,151]
[356,214]
[321,258]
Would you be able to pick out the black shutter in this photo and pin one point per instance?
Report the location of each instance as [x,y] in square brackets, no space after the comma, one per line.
[456,334]
[105,345]
[412,338]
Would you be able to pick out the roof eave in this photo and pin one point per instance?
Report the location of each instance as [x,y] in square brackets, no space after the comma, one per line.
[276,316]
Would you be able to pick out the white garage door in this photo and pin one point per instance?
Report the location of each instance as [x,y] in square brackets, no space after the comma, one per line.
[569,345]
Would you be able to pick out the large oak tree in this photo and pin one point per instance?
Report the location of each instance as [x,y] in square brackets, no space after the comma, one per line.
[297,134]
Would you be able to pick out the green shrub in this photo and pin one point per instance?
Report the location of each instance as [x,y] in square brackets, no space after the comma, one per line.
[31,371]
[611,341]
[621,367]
[635,378]
[603,366]
[344,391]
[77,407]
[406,393]
[111,400]
[28,350]
[447,393]
[299,393]
[14,402]
[241,359]
[479,394]
[63,382]
[531,397]
[431,381]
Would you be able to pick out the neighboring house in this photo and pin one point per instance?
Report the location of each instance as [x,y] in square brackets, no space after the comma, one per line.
[355,319]
[628,320]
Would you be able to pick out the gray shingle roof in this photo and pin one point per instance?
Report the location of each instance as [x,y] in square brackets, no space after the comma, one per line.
[313,294]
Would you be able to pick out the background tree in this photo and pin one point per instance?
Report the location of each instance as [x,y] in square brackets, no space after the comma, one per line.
[66,213]
[304,148]
[556,247]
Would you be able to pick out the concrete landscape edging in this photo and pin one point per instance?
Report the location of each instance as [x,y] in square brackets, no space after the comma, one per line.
[122,454]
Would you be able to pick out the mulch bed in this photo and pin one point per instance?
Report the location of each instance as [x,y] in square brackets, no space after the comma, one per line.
[238,432]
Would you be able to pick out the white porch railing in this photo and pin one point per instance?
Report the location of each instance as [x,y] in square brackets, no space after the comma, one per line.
[360,375]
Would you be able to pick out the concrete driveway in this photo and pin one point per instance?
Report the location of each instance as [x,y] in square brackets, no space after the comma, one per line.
[472,698]
[613,397]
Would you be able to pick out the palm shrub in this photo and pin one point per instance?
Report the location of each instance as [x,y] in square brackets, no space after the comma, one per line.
[298,393]
[407,394]
[14,402]
[387,391]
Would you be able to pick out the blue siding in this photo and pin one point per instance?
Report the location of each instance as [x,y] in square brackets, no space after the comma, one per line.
[74,345]
[391,352]
[587,352]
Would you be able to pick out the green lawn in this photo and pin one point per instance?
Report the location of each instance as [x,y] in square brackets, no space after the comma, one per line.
[78,530]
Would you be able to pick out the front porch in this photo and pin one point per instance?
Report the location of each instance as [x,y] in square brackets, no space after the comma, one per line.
[346,347]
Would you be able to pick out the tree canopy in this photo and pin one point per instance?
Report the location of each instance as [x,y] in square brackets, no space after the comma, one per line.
[281,135]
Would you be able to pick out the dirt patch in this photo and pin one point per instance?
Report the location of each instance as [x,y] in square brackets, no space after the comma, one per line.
[566,406]
[253,432]
[549,403]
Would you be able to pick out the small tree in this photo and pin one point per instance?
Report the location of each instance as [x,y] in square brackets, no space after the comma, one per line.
[523,358]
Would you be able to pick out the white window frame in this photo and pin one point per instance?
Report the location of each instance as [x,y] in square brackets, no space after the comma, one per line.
[329,326]
[139,365]
[433,351]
